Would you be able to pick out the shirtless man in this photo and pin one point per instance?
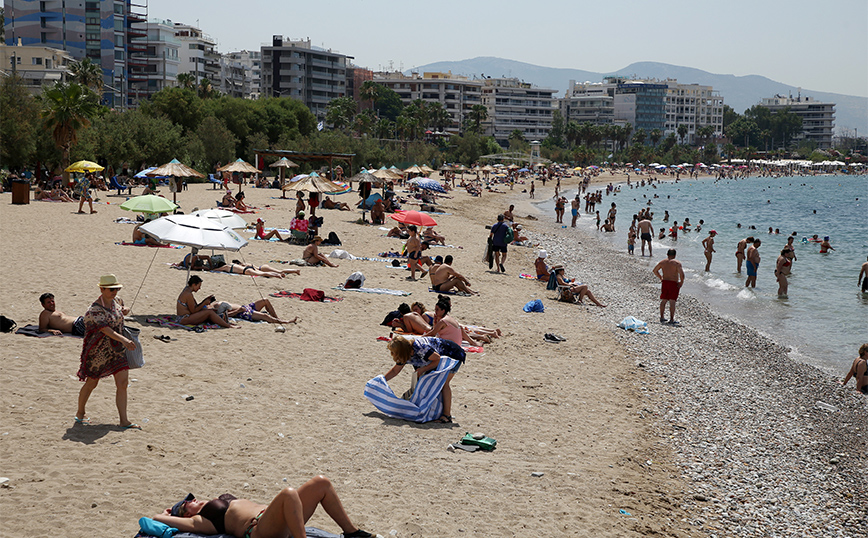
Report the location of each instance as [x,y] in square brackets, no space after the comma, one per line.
[508,214]
[192,312]
[739,251]
[645,231]
[378,212]
[708,243]
[414,251]
[752,261]
[57,323]
[444,278]
[574,209]
[671,276]
[312,256]
[863,278]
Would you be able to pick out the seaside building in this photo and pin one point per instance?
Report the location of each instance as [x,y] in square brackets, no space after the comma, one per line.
[251,60]
[513,104]
[101,30]
[36,65]
[695,106]
[234,79]
[587,103]
[198,54]
[299,70]
[457,94]
[356,76]
[154,59]
[818,118]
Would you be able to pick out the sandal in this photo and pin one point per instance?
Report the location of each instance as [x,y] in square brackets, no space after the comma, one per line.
[131,426]
[83,421]
[444,419]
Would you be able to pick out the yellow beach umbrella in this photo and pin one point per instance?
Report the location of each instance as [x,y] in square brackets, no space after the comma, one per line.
[84,166]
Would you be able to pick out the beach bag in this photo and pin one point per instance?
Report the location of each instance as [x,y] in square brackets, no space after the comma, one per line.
[217,260]
[135,358]
[509,234]
[333,239]
[151,527]
[7,325]
[355,281]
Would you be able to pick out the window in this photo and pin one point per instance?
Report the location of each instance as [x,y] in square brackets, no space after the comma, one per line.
[119,55]
[48,63]
[119,9]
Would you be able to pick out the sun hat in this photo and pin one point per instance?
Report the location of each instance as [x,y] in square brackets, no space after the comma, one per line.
[315,239]
[556,267]
[713,232]
[518,226]
[109,281]
[260,219]
[176,510]
[300,213]
[543,254]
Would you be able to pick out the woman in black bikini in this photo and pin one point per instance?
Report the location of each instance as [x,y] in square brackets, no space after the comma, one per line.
[859,370]
[237,268]
[287,513]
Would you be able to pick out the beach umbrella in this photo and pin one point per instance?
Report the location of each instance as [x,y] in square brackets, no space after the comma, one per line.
[428,184]
[414,217]
[344,188]
[414,170]
[426,169]
[149,203]
[446,168]
[366,177]
[283,163]
[241,166]
[314,183]
[84,166]
[225,218]
[175,169]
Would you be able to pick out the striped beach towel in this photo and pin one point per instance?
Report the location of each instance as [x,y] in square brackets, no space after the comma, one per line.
[425,405]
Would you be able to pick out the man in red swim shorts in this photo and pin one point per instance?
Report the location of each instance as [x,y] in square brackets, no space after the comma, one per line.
[671,276]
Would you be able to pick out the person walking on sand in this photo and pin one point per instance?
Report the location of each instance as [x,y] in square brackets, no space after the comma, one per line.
[783,266]
[498,243]
[671,276]
[645,231]
[575,205]
[708,244]
[739,252]
[752,261]
[414,251]
[532,188]
[82,189]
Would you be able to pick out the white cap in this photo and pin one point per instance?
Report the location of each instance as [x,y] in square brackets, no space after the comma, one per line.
[543,254]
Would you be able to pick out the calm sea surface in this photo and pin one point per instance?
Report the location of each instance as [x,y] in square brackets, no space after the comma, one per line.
[825,317]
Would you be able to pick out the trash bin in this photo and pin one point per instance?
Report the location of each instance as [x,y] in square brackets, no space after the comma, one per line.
[20,191]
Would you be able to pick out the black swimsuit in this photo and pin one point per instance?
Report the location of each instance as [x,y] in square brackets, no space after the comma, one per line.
[215,511]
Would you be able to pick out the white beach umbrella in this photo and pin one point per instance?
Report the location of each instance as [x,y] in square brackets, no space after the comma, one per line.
[192,231]
[226,218]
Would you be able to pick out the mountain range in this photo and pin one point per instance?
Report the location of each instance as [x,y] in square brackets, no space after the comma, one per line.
[740,93]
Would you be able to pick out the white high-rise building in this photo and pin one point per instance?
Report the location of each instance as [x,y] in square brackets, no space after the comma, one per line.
[695,106]
[818,118]
[198,54]
[513,104]
[251,60]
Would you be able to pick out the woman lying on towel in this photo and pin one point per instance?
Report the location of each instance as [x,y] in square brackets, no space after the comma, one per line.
[237,268]
[285,515]
[423,353]
[483,334]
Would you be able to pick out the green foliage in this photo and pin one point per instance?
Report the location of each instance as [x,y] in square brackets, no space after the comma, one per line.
[477,115]
[67,109]
[340,112]
[88,74]
[181,106]
[517,141]
[388,104]
[19,123]
[218,141]
[729,116]
[130,139]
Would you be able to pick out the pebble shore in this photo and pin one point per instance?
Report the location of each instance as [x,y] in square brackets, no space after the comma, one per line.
[766,446]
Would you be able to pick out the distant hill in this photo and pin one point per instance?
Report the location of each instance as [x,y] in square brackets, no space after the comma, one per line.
[741,93]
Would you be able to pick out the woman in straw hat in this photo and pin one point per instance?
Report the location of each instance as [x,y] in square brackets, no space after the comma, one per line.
[102,353]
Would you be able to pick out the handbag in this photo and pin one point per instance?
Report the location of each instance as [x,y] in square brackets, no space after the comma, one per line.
[135,358]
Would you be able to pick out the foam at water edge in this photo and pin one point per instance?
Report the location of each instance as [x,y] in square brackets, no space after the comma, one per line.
[747,295]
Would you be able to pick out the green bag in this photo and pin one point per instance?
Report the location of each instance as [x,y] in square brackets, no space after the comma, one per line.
[483,442]
[509,234]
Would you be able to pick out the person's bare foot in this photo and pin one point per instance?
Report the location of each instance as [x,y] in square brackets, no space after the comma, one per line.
[498,333]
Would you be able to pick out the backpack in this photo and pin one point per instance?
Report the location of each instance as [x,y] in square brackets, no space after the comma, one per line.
[332,239]
[7,325]
[509,234]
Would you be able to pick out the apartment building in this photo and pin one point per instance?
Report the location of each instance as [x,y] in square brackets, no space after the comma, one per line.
[251,61]
[818,118]
[154,59]
[694,106]
[37,66]
[299,70]
[513,104]
[587,103]
[198,54]
[457,94]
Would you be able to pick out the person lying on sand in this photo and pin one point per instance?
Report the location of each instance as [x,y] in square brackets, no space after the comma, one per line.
[478,333]
[311,254]
[140,238]
[400,231]
[284,516]
[405,319]
[252,311]
[57,323]
[191,312]
[431,236]
[237,268]
[328,203]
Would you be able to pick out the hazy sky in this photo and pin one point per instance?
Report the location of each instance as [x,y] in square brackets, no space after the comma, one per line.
[821,46]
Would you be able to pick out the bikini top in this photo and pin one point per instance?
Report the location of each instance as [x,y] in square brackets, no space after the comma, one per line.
[215,511]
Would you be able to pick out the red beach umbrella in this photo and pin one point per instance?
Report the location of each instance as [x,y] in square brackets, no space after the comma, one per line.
[414,217]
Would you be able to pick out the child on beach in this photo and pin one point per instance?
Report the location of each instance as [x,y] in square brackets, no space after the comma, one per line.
[631,241]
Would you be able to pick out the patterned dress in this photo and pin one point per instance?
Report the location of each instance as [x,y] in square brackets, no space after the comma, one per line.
[100,355]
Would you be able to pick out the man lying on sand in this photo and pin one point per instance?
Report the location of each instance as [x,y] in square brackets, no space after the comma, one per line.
[57,323]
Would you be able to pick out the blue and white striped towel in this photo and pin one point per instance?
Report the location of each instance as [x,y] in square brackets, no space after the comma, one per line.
[425,405]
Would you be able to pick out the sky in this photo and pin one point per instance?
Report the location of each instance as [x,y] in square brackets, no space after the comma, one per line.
[820,46]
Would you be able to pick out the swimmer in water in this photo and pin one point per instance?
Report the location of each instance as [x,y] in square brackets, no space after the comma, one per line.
[825,246]
[863,277]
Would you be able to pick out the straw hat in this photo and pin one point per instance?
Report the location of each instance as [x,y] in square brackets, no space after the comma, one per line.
[556,267]
[109,281]
[315,239]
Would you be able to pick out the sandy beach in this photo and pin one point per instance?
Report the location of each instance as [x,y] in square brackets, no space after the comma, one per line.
[694,431]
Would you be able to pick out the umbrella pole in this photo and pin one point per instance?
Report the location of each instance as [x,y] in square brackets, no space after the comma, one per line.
[282,192]
[190,263]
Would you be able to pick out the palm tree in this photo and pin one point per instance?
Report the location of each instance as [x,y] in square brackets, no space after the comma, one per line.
[186,81]
[478,114]
[655,136]
[729,151]
[438,117]
[628,130]
[682,132]
[370,91]
[572,132]
[206,89]
[67,108]
[639,136]
[87,74]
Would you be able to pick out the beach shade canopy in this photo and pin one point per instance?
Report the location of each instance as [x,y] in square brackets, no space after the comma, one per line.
[240,166]
[149,203]
[222,217]
[383,174]
[428,184]
[344,188]
[414,217]
[283,162]
[175,168]
[426,169]
[414,170]
[446,168]
[488,168]
[193,231]
[366,177]
[314,183]
[84,166]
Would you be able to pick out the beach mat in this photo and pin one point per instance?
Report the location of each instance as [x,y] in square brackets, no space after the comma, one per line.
[294,295]
[310,532]
[383,291]
[451,292]
[33,330]
[169,321]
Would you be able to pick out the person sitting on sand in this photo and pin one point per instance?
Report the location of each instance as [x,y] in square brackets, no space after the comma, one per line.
[239,203]
[518,238]
[311,254]
[139,238]
[445,326]
[191,312]
[238,268]
[252,311]
[57,323]
[859,370]
[201,262]
[328,203]
[378,212]
[400,231]
[56,194]
[444,278]
[431,236]
[228,200]
[260,232]
[284,516]
[542,270]
[573,291]
[424,354]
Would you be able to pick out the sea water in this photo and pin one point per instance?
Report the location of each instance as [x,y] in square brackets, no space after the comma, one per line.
[824,318]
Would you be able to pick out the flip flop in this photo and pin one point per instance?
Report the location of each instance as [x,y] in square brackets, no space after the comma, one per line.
[83,421]
[132,426]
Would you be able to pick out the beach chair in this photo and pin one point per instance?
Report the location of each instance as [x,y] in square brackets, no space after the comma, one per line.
[115,184]
[553,285]
[298,237]
[215,183]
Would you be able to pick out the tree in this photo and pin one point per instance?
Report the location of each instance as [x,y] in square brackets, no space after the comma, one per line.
[625,136]
[517,141]
[389,103]
[556,135]
[370,91]
[129,138]
[340,112]
[206,90]
[88,74]
[364,122]
[729,116]
[682,132]
[19,123]
[67,109]
[639,136]
[438,117]
[218,141]
[186,81]
[183,107]
[729,151]
[572,133]
[743,131]
[705,132]
[477,115]
[385,128]
[655,136]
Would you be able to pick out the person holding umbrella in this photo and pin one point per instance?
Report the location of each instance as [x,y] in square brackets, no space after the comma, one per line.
[82,189]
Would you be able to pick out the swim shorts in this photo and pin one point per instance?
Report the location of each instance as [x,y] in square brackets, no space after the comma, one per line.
[249,309]
[415,255]
[669,290]
[865,285]
[436,287]
[498,248]
[78,326]
[646,237]
[751,268]
[575,212]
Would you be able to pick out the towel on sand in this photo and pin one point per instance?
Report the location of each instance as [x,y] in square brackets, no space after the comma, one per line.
[383,291]
[33,330]
[311,532]
[426,403]
[125,244]
[169,321]
[294,295]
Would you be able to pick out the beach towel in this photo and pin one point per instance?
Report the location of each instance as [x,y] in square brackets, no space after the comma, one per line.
[294,295]
[124,220]
[125,244]
[33,330]
[464,345]
[527,276]
[534,306]
[311,532]
[450,292]
[426,403]
[169,321]
[636,325]
[383,291]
